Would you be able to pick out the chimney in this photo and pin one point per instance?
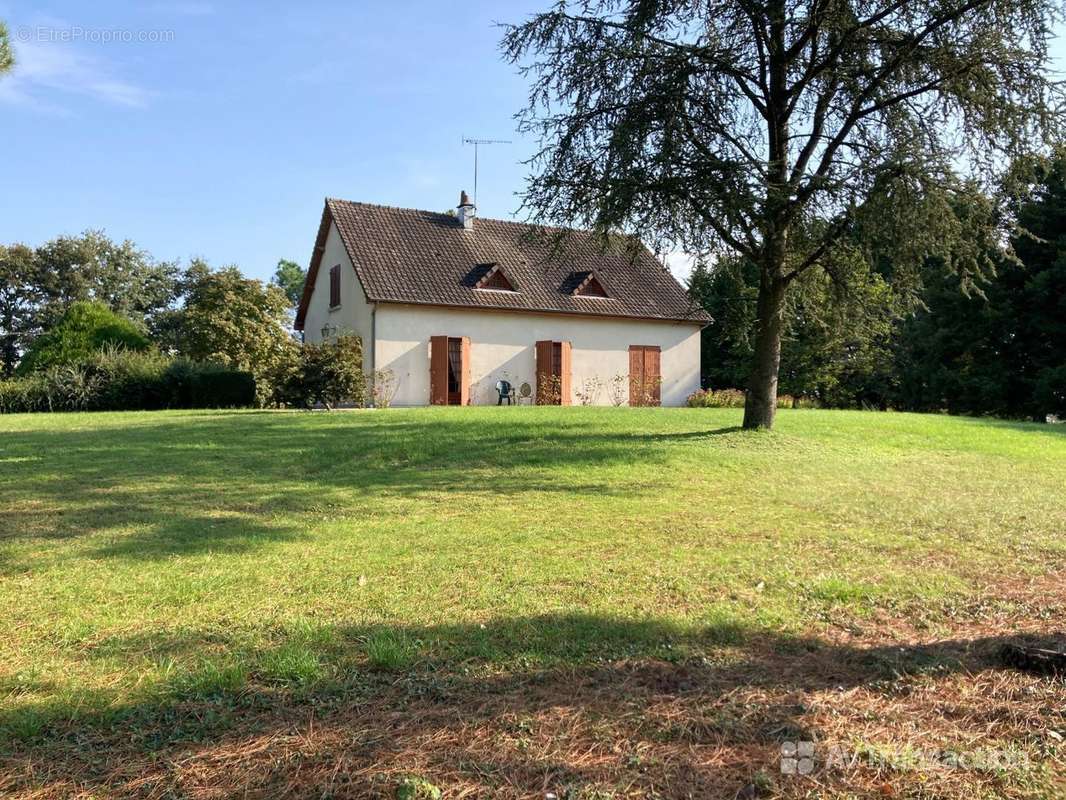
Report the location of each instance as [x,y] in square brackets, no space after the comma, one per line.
[466,212]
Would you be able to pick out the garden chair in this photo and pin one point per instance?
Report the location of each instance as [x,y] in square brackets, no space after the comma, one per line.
[506,391]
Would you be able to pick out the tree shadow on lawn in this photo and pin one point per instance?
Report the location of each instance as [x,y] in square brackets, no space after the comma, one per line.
[250,469]
[515,707]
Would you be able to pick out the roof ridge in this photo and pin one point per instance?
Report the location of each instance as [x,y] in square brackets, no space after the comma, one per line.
[541,225]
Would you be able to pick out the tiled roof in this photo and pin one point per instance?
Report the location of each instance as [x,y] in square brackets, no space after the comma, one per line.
[403,255]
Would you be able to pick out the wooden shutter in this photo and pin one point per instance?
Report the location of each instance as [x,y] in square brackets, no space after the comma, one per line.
[564,374]
[464,373]
[636,374]
[438,370]
[645,375]
[544,372]
[652,376]
[335,286]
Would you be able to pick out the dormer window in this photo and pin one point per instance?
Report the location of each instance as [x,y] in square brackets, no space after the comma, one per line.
[494,280]
[587,284]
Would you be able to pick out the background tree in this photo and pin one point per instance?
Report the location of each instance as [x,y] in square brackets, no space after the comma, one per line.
[834,342]
[231,320]
[1000,347]
[289,277]
[86,328]
[93,267]
[773,129]
[19,299]
[7,55]
[38,286]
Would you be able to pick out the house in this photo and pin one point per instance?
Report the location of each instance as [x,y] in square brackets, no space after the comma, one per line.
[452,304]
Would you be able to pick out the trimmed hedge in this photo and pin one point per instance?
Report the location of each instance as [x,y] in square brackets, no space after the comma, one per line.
[120,380]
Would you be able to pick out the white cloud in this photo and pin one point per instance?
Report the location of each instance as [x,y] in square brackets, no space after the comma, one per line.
[45,71]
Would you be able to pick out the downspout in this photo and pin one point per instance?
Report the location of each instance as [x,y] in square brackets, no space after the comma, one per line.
[373,341]
[373,337]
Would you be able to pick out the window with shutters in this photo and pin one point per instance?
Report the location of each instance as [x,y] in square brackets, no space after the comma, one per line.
[335,286]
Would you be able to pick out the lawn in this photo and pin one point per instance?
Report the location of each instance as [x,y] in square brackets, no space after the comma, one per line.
[512,601]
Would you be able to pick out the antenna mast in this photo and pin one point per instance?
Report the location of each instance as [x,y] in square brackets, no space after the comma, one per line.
[476,142]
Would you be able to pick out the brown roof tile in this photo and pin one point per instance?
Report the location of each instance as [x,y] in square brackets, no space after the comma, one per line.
[405,255]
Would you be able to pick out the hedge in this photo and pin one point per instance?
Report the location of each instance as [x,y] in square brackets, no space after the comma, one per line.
[120,380]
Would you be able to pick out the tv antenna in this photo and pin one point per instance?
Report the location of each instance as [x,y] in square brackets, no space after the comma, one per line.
[476,142]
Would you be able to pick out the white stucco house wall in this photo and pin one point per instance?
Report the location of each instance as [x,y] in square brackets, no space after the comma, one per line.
[451,305]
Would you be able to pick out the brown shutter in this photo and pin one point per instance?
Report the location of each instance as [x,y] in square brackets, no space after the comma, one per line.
[564,374]
[438,370]
[636,374]
[544,372]
[464,373]
[335,286]
[653,375]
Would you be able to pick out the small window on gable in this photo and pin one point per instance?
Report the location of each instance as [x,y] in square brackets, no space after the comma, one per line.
[589,285]
[495,279]
[335,286]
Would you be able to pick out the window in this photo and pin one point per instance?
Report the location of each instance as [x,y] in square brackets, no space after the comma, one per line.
[499,282]
[335,286]
[492,278]
[590,287]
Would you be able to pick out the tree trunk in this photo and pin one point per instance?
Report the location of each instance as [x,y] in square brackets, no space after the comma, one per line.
[760,407]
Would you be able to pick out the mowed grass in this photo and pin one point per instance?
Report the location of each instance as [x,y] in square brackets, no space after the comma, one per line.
[150,559]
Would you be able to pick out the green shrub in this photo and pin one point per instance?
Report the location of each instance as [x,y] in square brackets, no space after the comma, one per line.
[24,394]
[85,329]
[329,374]
[734,398]
[122,380]
[716,398]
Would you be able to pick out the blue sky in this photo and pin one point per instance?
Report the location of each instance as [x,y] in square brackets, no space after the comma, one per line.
[222,138]
[221,132]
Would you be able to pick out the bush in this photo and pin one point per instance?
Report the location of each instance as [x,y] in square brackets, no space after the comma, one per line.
[716,398]
[121,380]
[23,394]
[734,398]
[85,329]
[329,374]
